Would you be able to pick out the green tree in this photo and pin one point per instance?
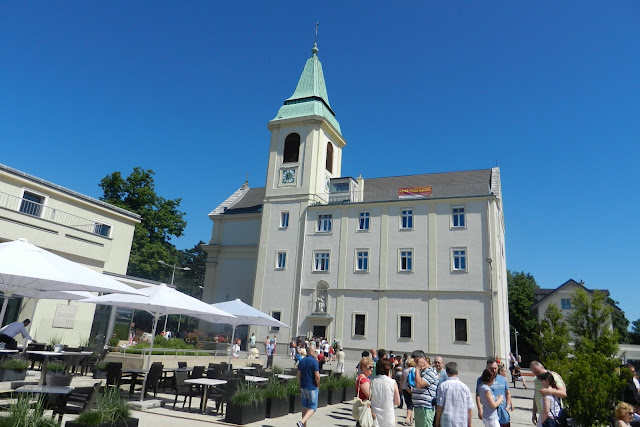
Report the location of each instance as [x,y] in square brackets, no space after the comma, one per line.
[620,322]
[161,220]
[521,288]
[190,281]
[552,341]
[634,335]
[590,322]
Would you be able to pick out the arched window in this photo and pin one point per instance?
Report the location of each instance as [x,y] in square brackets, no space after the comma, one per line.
[291,148]
[329,165]
[321,297]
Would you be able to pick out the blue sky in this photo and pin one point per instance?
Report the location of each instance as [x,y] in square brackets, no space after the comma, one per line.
[548,91]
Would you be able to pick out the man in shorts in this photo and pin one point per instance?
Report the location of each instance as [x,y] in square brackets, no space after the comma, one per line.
[309,378]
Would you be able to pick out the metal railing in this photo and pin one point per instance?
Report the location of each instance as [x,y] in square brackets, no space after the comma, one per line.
[38,210]
[171,351]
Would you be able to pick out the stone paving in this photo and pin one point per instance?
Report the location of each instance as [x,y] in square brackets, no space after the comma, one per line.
[332,415]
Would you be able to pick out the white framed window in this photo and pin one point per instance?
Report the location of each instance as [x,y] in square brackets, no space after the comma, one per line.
[458,259]
[405,259]
[32,203]
[276,314]
[565,303]
[321,261]
[363,221]
[101,229]
[458,218]
[406,219]
[284,219]
[460,330]
[405,326]
[362,260]
[281,260]
[324,223]
[359,325]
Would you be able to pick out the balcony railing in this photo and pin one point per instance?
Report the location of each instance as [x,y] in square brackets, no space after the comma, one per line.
[38,210]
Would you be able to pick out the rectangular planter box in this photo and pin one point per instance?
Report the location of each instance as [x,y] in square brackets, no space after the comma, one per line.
[132,422]
[245,414]
[99,374]
[277,407]
[334,396]
[12,375]
[348,394]
[323,398]
[295,404]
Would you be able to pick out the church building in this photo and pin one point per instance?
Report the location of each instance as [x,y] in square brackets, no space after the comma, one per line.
[401,263]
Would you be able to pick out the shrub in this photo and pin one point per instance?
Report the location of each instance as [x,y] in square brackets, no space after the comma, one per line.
[15,363]
[247,394]
[293,387]
[22,413]
[193,338]
[55,366]
[56,339]
[114,342]
[102,366]
[347,381]
[274,389]
[276,370]
[329,383]
[110,408]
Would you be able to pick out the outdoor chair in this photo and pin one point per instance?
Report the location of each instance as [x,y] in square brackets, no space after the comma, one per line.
[153,379]
[197,372]
[182,365]
[80,400]
[73,361]
[256,365]
[36,357]
[184,389]
[213,365]
[59,380]
[228,391]
[89,362]
[114,374]
[216,372]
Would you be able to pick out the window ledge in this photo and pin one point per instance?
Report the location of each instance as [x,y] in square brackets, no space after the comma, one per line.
[361,272]
[320,272]
[459,271]
[405,271]
[362,231]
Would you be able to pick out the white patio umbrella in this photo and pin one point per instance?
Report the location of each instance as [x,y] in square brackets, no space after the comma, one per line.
[244,315]
[38,295]
[26,266]
[160,301]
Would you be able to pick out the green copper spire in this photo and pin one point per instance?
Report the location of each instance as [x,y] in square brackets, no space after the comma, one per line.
[310,97]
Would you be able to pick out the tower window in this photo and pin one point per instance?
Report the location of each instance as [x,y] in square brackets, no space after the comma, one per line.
[329,163]
[291,148]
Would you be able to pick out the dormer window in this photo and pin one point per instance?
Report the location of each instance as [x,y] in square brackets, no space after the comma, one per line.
[291,148]
[329,163]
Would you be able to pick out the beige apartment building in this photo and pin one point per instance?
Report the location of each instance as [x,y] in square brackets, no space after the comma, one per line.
[75,226]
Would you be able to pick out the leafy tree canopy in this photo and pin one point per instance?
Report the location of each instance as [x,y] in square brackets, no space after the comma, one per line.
[521,287]
[590,322]
[161,220]
[620,322]
[552,341]
[634,335]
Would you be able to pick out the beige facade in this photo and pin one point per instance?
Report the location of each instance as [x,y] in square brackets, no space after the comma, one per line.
[428,270]
[75,226]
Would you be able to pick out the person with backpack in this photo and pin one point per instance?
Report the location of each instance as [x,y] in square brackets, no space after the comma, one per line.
[407,389]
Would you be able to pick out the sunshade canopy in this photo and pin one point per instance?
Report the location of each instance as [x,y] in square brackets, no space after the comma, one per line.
[244,315]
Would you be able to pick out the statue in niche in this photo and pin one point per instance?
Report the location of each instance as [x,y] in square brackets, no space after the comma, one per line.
[321,301]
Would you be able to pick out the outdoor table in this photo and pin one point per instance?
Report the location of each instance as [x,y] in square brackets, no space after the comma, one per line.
[246,368]
[4,352]
[47,355]
[47,390]
[286,377]
[208,382]
[253,379]
[134,376]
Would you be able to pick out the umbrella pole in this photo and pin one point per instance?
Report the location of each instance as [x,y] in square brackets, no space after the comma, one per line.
[148,364]
[7,295]
[233,333]
[28,328]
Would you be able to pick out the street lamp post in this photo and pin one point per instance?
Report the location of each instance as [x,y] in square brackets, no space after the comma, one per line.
[516,334]
[173,275]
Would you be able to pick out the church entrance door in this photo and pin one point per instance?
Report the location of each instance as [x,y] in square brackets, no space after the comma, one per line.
[319,331]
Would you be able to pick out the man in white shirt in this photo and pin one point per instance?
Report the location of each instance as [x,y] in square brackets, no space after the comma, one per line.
[454,400]
[8,333]
[340,357]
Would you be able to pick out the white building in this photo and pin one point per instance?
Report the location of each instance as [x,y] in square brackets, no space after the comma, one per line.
[72,225]
[401,263]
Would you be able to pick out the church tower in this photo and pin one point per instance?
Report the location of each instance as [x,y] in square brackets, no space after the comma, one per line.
[305,153]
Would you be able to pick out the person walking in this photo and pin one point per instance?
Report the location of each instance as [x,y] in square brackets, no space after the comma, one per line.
[271,349]
[407,389]
[454,403]
[424,391]
[363,380]
[384,395]
[560,391]
[252,341]
[8,333]
[550,404]
[340,356]
[309,378]
[499,387]
[487,401]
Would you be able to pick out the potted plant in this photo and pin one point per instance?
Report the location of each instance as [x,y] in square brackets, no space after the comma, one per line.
[23,412]
[348,384]
[54,369]
[55,342]
[110,411]
[247,405]
[332,385]
[13,369]
[323,392]
[295,401]
[277,398]
[100,371]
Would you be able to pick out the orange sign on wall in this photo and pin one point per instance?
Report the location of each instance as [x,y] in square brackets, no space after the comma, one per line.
[414,191]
